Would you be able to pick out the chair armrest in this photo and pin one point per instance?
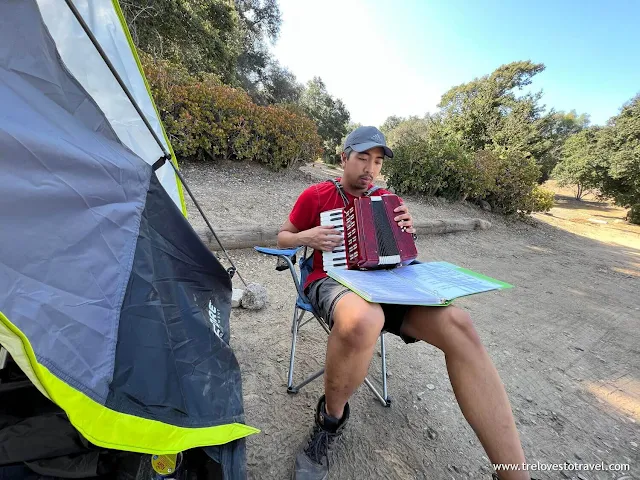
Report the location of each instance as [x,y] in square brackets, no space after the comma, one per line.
[278,252]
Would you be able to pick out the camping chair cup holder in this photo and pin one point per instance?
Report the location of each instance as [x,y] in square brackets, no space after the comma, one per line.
[287,259]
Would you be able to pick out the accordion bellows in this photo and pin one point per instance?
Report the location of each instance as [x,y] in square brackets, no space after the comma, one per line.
[372,239]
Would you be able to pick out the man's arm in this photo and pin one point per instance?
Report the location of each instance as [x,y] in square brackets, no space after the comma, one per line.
[319,238]
[289,236]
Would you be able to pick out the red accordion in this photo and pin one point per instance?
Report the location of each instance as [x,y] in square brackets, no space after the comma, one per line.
[372,239]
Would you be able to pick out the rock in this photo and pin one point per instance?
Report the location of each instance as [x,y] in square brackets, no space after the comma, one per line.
[634,444]
[431,386]
[454,468]
[420,395]
[582,477]
[484,205]
[236,296]
[529,399]
[254,297]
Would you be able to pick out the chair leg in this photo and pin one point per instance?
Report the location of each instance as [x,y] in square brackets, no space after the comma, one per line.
[384,398]
[383,353]
[294,338]
[295,326]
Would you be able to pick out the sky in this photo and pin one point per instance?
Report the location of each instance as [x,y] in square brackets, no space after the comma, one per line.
[397,57]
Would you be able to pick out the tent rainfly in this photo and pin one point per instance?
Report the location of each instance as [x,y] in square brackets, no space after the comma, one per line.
[109,302]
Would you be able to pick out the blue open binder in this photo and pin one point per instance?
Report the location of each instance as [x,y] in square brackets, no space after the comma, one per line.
[430,283]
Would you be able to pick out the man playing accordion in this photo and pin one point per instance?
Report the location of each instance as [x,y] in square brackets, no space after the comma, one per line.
[356,324]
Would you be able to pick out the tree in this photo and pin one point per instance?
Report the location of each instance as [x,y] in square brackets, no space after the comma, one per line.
[280,85]
[225,37]
[557,127]
[259,22]
[620,144]
[350,127]
[330,115]
[390,123]
[486,111]
[580,160]
[411,127]
[202,35]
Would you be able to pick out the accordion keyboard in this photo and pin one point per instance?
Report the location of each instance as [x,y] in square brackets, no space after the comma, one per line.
[337,258]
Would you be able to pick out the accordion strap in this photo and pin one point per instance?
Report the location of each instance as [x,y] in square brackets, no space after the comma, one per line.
[340,189]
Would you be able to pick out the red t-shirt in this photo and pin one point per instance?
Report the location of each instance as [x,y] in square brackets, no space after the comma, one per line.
[305,214]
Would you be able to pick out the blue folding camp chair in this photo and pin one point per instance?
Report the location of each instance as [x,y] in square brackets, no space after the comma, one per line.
[287,260]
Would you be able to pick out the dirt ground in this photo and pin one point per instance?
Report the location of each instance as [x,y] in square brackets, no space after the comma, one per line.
[565,340]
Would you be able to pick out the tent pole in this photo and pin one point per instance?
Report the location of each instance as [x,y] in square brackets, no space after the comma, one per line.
[235,269]
[115,73]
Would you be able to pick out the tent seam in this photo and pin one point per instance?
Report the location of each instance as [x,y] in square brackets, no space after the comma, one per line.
[128,268]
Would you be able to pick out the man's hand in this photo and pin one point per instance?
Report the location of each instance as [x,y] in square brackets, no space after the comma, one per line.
[324,238]
[404,220]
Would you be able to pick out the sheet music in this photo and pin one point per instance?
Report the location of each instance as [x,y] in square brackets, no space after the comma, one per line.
[447,281]
[385,286]
[433,283]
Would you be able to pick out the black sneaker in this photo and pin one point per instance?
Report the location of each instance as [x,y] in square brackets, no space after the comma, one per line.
[312,463]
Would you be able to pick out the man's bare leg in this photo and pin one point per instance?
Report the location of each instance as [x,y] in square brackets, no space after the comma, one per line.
[475,381]
[356,327]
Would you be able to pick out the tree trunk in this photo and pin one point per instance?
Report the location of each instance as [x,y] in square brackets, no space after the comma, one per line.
[266,235]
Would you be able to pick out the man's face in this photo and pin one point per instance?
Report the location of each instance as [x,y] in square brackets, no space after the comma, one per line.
[362,167]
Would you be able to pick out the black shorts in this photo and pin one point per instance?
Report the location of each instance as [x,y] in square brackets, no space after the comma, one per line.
[325,293]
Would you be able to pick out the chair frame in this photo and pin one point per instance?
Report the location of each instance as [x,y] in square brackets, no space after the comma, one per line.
[301,307]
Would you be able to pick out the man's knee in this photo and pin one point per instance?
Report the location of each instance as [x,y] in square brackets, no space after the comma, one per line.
[461,331]
[358,325]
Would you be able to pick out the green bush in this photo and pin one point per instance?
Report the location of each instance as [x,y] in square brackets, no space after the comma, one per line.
[539,200]
[512,178]
[430,163]
[207,120]
[433,167]
[634,214]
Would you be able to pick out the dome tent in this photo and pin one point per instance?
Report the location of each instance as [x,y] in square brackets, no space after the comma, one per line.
[109,302]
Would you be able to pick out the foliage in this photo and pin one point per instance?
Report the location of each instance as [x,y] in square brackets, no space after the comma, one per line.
[619,144]
[511,178]
[339,148]
[390,123]
[634,214]
[260,20]
[579,162]
[486,113]
[606,158]
[280,86]
[208,120]
[557,127]
[539,200]
[330,115]
[412,127]
[201,35]
[225,37]
[429,163]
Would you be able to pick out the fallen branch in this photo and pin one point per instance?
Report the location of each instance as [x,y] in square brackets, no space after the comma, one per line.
[265,236]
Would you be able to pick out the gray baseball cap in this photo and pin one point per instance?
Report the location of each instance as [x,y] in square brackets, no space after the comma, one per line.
[364,138]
